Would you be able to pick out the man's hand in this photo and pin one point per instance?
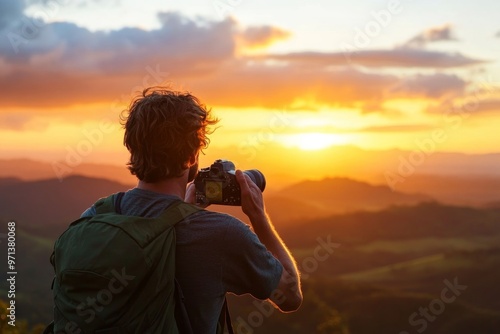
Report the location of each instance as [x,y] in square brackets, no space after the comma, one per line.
[190,196]
[252,202]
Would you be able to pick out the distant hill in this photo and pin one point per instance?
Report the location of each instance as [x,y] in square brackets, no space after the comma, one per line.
[314,199]
[283,210]
[9,180]
[398,223]
[461,190]
[29,170]
[344,194]
[48,206]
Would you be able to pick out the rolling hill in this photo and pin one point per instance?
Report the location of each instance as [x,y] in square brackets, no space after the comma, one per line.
[33,170]
[46,207]
[343,194]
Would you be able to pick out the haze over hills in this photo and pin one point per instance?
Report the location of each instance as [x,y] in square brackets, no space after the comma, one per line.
[455,178]
[52,204]
[343,194]
[467,190]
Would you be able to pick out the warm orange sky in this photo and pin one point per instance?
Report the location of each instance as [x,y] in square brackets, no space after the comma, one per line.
[284,85]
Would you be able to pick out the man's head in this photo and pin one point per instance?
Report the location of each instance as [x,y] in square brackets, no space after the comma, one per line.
[164,132]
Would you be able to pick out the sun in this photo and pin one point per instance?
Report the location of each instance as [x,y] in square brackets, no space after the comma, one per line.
[313,141]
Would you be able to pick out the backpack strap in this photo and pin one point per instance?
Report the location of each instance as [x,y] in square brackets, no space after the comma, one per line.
[110,203]
[106,204]
[118,202]
[178,211]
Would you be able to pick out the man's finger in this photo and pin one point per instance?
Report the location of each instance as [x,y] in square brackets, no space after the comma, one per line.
[241,178]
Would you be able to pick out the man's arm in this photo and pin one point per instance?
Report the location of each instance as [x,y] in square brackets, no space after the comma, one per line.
[288,296]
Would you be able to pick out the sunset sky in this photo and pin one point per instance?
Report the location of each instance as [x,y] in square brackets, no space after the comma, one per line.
[284,76]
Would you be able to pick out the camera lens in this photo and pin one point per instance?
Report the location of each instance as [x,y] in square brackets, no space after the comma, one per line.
[257,177]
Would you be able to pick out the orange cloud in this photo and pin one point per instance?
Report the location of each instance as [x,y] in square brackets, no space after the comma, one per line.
[260,85]
[470,105]
[66,65]
[262,36]
[399,58]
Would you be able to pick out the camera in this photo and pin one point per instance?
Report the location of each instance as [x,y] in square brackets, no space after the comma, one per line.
[217,184]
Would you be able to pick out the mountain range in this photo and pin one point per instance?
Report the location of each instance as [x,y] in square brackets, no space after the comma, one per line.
[452,178]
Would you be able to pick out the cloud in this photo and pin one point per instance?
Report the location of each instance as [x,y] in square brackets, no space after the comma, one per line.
[491,105]
[66,65]
[437,34]
[262,36]
[399,57]
[497,34]
[14,121]
[185,44]
[434,86]
[468,105]
[20,121]
[262,85]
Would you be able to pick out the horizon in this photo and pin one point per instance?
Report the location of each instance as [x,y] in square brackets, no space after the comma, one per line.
[397,169]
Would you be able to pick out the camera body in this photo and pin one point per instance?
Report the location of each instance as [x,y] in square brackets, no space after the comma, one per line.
[217,184]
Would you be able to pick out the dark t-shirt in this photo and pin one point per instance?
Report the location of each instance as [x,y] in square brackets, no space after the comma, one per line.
[216,253]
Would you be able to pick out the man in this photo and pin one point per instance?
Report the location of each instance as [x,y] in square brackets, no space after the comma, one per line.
[216,253]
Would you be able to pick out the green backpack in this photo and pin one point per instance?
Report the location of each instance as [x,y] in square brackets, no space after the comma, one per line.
[116,273]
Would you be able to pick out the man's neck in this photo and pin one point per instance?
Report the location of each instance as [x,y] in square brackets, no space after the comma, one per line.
[174,186]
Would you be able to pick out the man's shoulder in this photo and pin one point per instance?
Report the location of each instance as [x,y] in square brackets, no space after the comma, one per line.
[219,218]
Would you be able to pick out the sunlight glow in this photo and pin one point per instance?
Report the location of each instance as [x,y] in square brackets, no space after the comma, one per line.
[313,141]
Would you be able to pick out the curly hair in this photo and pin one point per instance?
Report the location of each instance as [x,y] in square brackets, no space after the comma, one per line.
[163,130]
